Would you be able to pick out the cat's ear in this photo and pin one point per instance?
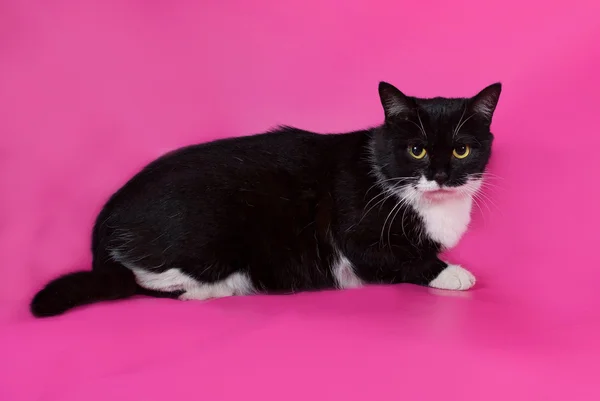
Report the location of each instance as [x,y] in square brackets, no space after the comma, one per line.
[484,103]
[394,102]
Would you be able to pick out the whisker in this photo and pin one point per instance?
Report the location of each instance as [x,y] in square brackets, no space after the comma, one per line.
[476,196]
[480,210]
[459,121]
[389,190]
[487,185]
[421,122]
[464,122]
[404,205]
[381,182]
[386,220]
[487,200]
[390,226]
[412,197]
[388,193]
[419,127]
[486,174]
[382,193]
[379,202]
[404,202]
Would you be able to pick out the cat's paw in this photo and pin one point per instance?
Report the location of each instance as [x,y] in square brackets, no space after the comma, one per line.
[454,277]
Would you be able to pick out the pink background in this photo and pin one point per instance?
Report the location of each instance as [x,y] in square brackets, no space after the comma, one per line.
[91,91]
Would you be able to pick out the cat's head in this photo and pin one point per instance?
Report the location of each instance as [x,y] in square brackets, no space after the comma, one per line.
[434,149]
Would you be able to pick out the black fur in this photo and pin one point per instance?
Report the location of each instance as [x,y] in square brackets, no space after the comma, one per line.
[276,206]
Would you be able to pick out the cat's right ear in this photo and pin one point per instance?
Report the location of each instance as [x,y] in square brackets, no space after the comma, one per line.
[394,102]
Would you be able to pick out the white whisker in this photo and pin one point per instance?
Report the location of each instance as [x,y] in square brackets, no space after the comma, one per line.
[411,197]
[406,199]
[419,127]
[459,121]
[398,204]
[380,183]
[421,122]
[463,123]
[487,175]
[480,210]
[488,199]
[387,196]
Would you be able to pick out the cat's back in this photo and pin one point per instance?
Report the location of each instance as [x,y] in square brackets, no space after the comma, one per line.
[284,148]
[279,161]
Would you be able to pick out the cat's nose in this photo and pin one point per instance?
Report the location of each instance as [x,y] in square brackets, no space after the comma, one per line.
[440,177]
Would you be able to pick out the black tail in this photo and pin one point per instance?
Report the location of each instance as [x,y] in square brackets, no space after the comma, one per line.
[83,288]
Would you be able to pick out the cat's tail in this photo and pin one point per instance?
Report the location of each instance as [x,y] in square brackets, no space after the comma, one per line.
[82,288]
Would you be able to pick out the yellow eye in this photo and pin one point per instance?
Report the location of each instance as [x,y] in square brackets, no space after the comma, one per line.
[417,151]
[461,151]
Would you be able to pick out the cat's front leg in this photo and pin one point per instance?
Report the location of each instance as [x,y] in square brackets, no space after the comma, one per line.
[453,277]
[431,272]
[439,274]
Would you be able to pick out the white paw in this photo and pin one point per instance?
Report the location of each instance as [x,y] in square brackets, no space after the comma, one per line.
[192,295]
[453,277]
[205,293]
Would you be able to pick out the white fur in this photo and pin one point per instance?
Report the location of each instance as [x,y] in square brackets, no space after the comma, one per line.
[343,272]
[453,277]
[426,185]
[235,284]
[175,280]
[446,223]
[168,281]
[446,215]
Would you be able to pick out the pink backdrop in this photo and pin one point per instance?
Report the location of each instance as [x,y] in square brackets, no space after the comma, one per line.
[91,91]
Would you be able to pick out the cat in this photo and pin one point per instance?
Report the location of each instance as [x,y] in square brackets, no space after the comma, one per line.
[290,210]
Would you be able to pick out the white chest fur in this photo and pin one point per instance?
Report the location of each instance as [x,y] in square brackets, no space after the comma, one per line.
[446,222]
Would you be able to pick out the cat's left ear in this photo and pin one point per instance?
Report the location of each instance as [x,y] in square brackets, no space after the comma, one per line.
[394,102]
[484,103]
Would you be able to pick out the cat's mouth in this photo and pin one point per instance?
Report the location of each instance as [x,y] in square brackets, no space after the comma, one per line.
[440,193]
[439,190]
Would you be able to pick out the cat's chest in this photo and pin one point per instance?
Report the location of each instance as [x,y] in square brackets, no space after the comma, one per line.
[446,222]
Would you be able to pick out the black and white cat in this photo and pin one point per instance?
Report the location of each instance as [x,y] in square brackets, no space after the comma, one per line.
[290,210]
